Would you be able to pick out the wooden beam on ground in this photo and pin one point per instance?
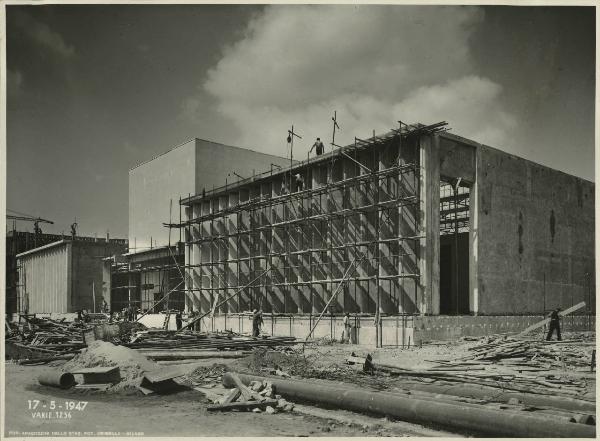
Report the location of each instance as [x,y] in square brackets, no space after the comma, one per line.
[243,405]
[246,392]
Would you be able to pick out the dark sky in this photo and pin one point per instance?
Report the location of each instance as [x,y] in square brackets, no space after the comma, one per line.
[94,90]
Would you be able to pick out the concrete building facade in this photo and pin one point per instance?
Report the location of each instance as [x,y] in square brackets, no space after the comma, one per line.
[416,222]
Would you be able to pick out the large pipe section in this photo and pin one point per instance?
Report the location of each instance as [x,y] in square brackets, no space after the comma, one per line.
[471,419]
[64,380]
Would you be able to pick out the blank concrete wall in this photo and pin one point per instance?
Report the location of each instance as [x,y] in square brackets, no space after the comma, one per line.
[86,274]
[151,186]
[183,170]
[536,236]
[215,163]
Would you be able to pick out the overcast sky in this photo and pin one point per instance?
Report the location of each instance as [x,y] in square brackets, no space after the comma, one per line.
[94,90]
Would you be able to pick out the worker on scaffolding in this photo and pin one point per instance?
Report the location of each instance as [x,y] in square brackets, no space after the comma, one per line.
[257,322]
[554,324]
[318,147]
[299,182]
[178,320]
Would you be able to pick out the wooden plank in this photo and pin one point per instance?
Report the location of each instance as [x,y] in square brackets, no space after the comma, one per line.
[96,370]
[243,405]
[231,396]
[98,386]
[209,394]
[247,393]
[166,374]
[547,320]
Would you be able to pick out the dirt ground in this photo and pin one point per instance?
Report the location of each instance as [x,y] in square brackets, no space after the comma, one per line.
[181,414]
[129,413]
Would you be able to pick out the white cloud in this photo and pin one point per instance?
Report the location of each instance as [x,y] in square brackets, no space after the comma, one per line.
[373,64]
[470,104]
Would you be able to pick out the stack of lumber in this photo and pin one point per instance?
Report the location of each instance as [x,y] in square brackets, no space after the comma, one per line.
[543,354]
[181,341]
[518,365]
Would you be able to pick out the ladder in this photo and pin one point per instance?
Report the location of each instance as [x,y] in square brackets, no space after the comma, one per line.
[167,320]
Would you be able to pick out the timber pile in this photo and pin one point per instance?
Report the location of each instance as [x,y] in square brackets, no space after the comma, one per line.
[511,364]
[540,383]
[542,354]
[42,339]
[176,341]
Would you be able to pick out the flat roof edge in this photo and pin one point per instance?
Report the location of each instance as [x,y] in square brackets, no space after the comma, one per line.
[477,144]
[42,248]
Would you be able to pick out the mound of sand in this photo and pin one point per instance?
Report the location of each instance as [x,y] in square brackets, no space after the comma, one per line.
[132,365]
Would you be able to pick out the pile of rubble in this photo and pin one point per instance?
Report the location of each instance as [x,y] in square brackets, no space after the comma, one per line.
[258,397]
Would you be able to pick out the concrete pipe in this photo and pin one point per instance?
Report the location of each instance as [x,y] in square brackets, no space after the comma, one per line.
[471,419]
[64,380]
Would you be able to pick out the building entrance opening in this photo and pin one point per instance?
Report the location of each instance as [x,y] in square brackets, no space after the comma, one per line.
[454,247]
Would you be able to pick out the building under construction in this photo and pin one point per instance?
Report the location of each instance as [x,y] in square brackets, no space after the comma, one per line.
[417,222]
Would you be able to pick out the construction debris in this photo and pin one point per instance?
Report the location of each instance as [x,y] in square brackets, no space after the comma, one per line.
[96,377]
[44,339]
[472,418]
[162,339]
[257,397]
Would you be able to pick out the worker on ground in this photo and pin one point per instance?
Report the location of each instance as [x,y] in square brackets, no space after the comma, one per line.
[554,324]
[318,146]
[347,327]
[257,322]
[178,320]
[195,324]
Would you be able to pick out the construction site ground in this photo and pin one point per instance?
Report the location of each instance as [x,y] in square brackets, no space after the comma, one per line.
[184,413]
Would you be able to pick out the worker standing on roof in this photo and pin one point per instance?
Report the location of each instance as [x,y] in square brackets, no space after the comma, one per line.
[178,320]
[554,324]
[318,146]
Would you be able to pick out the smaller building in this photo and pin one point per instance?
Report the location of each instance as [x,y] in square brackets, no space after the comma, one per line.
[149,280]
[18,242]
[64,276]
